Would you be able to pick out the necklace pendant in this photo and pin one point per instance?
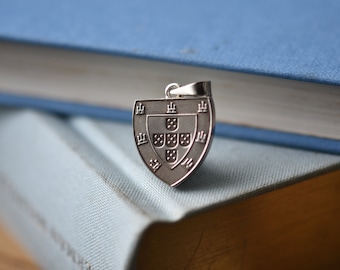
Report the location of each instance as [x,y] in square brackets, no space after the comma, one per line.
[173,134]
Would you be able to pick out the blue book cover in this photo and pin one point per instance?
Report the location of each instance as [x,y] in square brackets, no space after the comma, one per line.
[295,39]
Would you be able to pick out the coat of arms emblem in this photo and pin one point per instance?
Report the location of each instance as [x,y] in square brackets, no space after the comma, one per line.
[173,134]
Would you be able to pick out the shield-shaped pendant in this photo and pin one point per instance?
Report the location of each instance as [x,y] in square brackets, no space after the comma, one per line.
[173,134]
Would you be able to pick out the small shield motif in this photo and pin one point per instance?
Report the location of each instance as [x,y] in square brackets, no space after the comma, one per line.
[173,134]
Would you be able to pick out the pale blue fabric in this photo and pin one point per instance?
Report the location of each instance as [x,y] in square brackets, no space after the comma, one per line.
[297,39]
[87,181]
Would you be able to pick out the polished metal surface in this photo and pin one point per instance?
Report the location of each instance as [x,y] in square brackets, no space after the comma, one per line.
[173,134]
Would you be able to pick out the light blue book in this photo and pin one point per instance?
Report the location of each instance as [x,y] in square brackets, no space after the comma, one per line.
[274,66]
[77,195]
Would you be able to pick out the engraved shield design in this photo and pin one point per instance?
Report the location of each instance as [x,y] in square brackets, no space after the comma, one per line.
[173,135]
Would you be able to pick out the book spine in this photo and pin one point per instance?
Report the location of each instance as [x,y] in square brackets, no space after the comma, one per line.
[67,213]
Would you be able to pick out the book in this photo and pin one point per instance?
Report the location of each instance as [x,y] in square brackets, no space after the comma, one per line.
[278,86]
[237,242]
[76,193]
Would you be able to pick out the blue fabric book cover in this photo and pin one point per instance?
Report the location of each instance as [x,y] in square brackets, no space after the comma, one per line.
[287,39]
[292,39]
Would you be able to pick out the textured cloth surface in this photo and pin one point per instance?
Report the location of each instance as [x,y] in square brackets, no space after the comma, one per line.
[58,203]
[297,39]
[232,169]
[80,185]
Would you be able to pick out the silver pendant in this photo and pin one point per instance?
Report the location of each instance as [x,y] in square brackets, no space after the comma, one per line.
[173,134]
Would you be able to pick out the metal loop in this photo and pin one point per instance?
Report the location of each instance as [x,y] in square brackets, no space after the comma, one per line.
[174,90]
[169,88]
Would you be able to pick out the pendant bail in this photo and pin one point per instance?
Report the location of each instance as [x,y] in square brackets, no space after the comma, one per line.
[196,89]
